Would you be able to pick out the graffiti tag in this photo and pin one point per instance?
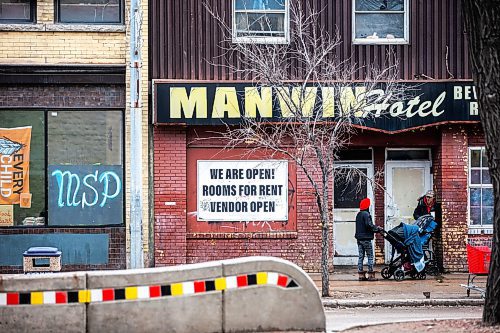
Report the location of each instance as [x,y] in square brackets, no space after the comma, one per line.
[75,189]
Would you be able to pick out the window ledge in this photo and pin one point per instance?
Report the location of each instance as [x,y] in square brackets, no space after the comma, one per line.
[260,40]
[480,230]
[377,41]
[21,27]
[64,27]
[86,27]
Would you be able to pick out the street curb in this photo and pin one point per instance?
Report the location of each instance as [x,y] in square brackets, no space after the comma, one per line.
[333,304]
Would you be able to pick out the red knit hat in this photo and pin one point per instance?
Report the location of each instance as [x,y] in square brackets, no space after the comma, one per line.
[364,204]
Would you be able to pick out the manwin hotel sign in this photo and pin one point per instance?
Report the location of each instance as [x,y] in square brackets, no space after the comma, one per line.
[202,103]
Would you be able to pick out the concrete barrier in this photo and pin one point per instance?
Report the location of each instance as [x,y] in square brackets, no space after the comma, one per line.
[254,294]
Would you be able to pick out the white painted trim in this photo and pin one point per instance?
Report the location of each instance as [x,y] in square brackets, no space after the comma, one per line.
[475,229]
[388,185]
[353,260]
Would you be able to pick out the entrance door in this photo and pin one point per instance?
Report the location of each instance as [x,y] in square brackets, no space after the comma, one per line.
[406,181]
[347,193]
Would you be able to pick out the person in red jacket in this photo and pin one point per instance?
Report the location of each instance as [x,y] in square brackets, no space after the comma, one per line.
[365,230]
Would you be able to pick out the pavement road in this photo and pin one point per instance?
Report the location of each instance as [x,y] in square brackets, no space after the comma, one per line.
[342,319]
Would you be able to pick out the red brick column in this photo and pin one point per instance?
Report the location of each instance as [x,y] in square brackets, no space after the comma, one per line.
[453,194]
[379,196]
[170,195]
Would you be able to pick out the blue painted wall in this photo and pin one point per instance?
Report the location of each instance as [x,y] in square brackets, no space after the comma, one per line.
[77,249]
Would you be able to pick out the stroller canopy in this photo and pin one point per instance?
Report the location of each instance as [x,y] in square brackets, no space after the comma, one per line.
[409,239]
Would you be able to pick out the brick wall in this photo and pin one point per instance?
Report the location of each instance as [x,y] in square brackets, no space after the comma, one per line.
[116,250]
[170,196]
[453,166]
[450,161]
[62,96]
[302,247]
[379,193]
[46,42]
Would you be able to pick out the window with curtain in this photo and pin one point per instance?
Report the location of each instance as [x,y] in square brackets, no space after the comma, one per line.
[380,21]
[260,21]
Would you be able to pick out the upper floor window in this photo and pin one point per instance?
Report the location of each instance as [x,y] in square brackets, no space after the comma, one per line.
[380,22]
[90,11]
[261,21]
[480,189]
[17,11]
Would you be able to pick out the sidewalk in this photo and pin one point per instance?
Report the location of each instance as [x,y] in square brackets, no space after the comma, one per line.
[445,290]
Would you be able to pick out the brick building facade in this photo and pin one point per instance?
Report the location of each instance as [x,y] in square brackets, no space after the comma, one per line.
[446,152]
[63,75]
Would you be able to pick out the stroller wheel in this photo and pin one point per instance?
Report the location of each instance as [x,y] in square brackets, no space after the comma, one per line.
[399,274]
[432,268]
[386,274]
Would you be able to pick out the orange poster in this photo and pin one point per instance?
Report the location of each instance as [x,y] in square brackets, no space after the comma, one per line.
[14,164]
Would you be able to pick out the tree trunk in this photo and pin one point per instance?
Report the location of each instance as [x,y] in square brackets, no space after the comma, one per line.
[482,20]
[325,241]
[325,246]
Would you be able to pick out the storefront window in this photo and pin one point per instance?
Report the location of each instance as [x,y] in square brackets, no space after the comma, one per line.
[61,168]
[85,168]
[22,168]
[480,189]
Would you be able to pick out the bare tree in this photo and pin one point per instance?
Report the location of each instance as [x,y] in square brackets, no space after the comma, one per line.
[320,106]
[483,30]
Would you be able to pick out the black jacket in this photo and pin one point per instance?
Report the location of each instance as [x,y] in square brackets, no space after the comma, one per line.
[421,209]
[365,229]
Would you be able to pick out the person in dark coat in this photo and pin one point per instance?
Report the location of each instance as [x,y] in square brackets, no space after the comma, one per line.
[365,230]
[427,205]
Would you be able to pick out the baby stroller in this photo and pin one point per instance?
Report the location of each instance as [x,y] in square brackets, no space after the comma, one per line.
[427,226]
[410,243]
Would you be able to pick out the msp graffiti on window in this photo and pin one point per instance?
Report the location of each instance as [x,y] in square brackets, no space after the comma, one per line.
[85,194]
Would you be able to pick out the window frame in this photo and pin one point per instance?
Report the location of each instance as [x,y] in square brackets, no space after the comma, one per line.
[370,191]
[479,228]
[32,19]
[262,39]
[378,41]
[57,16]
[46,114]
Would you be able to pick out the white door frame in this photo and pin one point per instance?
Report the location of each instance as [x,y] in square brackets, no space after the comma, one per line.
[352,260]
[390,208]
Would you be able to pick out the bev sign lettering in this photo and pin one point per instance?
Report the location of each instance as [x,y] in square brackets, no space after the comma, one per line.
[242,190]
